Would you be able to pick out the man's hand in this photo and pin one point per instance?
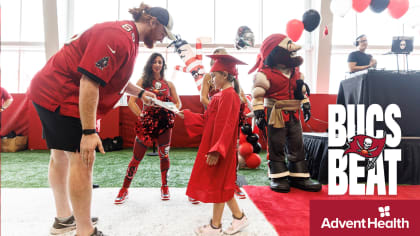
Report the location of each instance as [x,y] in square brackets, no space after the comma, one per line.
[88,145]
[146,100]
[212,158]
[306,107]
[373,63]
[260,119]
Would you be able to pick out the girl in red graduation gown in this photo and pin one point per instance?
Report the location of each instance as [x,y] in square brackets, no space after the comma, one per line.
[207,92]
[214,173]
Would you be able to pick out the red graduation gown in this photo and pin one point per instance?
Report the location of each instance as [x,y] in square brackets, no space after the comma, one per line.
[219,126]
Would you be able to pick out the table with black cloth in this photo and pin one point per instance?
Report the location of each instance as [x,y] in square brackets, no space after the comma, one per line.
[384,88]
[316,151]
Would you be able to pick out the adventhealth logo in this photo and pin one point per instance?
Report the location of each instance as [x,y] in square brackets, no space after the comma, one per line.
[384,222]
[384,211]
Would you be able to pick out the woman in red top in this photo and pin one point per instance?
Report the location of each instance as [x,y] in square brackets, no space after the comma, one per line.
[214,173]
[154,124]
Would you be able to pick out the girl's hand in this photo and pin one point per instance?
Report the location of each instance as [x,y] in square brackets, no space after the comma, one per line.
[180,114]
[212,158]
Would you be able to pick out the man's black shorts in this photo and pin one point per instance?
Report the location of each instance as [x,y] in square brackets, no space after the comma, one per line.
[60,132]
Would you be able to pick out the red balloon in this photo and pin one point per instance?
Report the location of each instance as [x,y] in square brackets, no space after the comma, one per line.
[397,8]
[360,5]
[245,149]
[294,29]
[325,31]
[253,161]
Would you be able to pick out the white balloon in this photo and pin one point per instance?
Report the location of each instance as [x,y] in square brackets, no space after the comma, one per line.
[340,7]
[412,17]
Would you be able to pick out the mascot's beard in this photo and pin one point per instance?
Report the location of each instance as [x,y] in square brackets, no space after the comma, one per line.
[283,57]
[295,62]
[290,62]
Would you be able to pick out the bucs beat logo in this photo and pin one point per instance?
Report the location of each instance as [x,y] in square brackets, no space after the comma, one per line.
[354,126]
[367,147]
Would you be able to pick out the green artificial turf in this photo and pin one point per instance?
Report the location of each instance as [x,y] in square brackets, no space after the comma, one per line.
[29,169]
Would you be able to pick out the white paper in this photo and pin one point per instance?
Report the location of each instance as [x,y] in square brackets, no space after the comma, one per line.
[167,105]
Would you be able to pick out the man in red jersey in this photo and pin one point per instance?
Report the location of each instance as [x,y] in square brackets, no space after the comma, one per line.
[78,85]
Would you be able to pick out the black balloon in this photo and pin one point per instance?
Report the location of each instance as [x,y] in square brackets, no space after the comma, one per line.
[256,147]
[253,138]
[246,129]
[378,6]
[311,20]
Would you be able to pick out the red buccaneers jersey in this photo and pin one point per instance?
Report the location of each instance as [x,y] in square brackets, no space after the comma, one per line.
[281,87]
[105,53]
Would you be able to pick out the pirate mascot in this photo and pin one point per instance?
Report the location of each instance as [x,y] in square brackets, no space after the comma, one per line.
[278,94]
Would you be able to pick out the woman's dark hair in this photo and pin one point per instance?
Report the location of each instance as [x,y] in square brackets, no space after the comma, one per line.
[148,71]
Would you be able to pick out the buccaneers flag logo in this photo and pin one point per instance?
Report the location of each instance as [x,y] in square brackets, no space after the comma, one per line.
[101,64]
[367,147]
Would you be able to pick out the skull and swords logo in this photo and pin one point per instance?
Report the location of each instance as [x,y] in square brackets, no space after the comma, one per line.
[366,149]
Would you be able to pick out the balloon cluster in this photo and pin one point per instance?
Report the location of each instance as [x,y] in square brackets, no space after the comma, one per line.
[396,8]
[249,147]
[310,21]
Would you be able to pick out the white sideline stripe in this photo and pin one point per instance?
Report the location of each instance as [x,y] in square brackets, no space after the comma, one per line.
[30,211]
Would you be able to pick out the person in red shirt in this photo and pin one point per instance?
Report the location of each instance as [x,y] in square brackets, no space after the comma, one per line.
[6,101]
[154,124]
[213,177]
[78,85]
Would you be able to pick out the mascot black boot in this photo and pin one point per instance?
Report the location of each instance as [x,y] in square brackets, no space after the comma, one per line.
[299,177]
[280,185]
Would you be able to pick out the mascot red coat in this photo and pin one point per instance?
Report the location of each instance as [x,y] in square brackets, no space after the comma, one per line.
[279,95]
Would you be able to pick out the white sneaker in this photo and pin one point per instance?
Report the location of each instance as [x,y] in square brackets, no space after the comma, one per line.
[237,225]
[208,230]
[193,201]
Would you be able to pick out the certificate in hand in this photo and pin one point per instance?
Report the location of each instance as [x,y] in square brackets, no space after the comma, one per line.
[167,105]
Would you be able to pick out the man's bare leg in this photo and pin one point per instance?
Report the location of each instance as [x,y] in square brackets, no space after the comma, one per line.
[58,176]
[80,183]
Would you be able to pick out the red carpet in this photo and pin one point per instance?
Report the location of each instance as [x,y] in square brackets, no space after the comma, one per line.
[289,212]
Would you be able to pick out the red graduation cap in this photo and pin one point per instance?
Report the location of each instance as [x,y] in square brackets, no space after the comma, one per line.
[225,63]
